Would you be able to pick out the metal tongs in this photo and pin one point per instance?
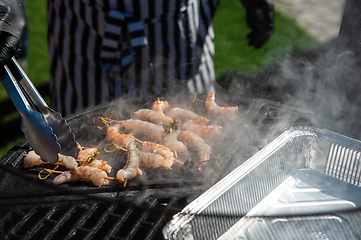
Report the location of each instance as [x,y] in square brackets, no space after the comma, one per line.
[46,131]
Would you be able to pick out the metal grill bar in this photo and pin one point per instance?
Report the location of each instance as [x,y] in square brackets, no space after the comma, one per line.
[344,164]
[66,213]
[86,220]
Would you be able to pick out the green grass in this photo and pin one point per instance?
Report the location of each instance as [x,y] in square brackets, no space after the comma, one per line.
[39,64]
[232,51]
[38,59]
[37,69]
[231,47]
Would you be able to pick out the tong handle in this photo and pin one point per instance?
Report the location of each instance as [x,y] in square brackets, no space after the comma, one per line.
[30,92]
[36,129]
[14,91]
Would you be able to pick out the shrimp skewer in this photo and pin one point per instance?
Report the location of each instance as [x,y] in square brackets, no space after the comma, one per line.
[83,155]
[114,136]
[204,131]
[184,114]
[171,142]
[165,152]
[131,169]
[97,176]
[148,115]
[86,156]
[66,176]
[86,153]
[214,110]
[159,107]
[68,161]
[150,159]
[32,159]
[151,130]
[197,143]
[102,165]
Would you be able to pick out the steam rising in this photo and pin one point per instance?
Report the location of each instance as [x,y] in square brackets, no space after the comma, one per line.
[309,89]
[89,135]
[324,81]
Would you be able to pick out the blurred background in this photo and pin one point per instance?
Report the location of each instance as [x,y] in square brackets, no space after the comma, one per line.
[300,25]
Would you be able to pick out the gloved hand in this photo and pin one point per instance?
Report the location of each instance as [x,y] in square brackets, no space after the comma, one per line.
[12,28]
[260,19]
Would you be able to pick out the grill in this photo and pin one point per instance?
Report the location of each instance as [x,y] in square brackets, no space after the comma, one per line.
[34,209]
[47,216]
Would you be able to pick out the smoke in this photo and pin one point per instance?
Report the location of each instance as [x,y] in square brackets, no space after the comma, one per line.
[316,85]
[324,82]
[90,131]
[316,88]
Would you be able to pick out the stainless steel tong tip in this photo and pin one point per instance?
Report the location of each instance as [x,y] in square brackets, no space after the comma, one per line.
[45,129]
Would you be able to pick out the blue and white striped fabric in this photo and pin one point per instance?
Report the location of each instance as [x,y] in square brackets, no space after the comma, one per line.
[103,49]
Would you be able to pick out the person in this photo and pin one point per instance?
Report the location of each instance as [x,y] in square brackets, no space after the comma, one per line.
[101,50]
[13,26]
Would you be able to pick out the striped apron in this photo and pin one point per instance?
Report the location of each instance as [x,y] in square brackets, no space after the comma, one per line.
[101,50]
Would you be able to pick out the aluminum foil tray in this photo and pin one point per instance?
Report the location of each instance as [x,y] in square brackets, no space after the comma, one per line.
[305,184]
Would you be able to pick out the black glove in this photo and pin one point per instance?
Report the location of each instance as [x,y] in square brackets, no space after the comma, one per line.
[260,19]
[12,28]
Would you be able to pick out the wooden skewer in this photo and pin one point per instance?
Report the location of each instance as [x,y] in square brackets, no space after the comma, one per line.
[218,162]
[116,148]
[125,182]
[176,160]
[50,171]
[97,123]
[166,167]
[196,99]
[215,156]
[217,165]
[92,158]
[111,178]
[136,139]
[105,120]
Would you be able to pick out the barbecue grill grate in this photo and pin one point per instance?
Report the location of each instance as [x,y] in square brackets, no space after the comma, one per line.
[34,209]
[47,216]
[86,220]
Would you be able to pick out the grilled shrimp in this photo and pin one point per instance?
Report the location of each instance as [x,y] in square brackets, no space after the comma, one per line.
[66,176]
[184,114]
[32,159]
[149,116]
[97,176]
[100,164]
[204,131]
[151,130]
[86,153]
[120,139]
[83,155]
[150,159]
[171,142]
[68,161]
[222,112]
[161,150]
[159,107]
[131,169]
[71,163]
[197,143]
